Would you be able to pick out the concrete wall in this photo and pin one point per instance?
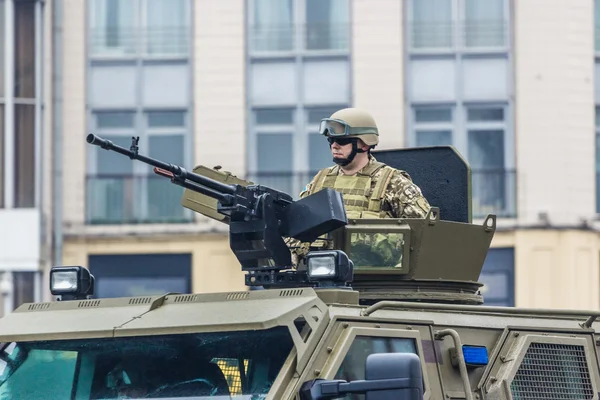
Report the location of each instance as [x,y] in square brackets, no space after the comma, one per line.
[554,268]
[378,66]
[554,69]
[219,84]
[74,111]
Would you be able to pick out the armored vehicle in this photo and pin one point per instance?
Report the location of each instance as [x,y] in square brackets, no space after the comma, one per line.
[345,324]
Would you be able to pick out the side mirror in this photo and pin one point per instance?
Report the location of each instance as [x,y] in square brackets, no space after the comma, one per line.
[389,376]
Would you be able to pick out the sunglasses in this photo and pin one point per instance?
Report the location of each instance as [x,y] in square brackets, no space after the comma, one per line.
[340,140]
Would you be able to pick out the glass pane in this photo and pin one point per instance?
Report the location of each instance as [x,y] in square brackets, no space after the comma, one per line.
[597,24]
[274,161]
[274,116]
[274,151]
[485,23]
[489,178]
[24,282]
[112,27]
[376,250]
[24,155]
[111,193]
[161,119]
[433,115]
[163,197]
[273,28]
[51,370]
[24,49]
[163,366]
[319,153]
[167,28]
[2,44]
[168,148]
[353,366]
[434,138]
[327,25]
[496,286]
[110,120]
[432,23]
[485,114]
[598,115]
[110,162]
[315,115]
[486,149]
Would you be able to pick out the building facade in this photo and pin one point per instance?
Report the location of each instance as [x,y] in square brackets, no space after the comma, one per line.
[244,83]
[25,151]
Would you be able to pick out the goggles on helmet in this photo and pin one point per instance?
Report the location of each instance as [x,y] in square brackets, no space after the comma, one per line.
[336,127]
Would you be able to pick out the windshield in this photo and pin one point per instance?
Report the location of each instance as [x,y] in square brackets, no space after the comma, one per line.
[220,365]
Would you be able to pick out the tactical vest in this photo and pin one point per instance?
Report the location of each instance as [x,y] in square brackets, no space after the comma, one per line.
[360,201]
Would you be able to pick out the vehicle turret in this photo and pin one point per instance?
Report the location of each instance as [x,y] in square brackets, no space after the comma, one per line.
[435,259]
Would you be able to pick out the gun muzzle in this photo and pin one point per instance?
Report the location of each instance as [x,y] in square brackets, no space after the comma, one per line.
[95,140]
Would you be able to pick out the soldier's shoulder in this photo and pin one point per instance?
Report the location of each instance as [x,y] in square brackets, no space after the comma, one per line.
[399,174]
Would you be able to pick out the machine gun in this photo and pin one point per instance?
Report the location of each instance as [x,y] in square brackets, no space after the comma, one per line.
[259,217]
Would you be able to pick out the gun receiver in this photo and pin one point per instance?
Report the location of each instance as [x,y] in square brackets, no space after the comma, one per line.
[259,217]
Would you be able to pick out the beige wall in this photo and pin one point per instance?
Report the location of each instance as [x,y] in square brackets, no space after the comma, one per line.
[554,67]
[219,84]
[214,267]
[378,66]
[74,112]
[554,268]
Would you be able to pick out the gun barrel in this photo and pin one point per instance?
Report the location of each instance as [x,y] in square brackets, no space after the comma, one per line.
[177,172]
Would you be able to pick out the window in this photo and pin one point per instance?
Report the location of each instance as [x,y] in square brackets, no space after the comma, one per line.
[112,27]
[480,24]
[433,126]
[194,365]
[285,149]
[24,287]
[274,150]
[498,276]
[484,24]
[432,24]
[287,152]
[327,24]
[486,155]
[129,275]
[123,191]
[272,25]
[322,25]
[479,133]
[353,365]
[153,27]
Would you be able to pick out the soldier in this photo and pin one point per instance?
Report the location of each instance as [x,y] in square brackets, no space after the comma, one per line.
[371,189]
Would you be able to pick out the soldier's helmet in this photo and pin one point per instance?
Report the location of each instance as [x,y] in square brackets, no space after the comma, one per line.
[351,123]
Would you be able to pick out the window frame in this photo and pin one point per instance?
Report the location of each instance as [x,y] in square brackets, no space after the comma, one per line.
[140,171]
[342,336]
[139,46]
[458,20]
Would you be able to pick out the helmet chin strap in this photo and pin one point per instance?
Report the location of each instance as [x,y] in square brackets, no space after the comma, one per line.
[345,161]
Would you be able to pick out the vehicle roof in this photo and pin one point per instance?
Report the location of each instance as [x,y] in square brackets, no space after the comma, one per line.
[156,315]
[261,309]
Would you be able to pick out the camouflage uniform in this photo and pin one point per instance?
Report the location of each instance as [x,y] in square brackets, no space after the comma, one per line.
[402,198]
[390,193]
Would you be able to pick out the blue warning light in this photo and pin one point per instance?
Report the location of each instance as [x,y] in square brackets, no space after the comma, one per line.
[475,356]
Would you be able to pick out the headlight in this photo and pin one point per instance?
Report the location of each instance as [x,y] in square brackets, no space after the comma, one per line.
[329,267]
[71,282]
[322,266]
